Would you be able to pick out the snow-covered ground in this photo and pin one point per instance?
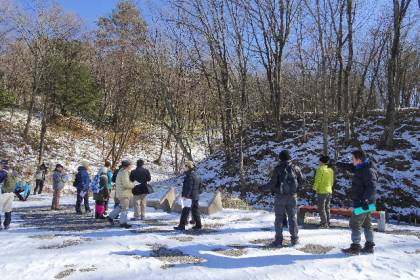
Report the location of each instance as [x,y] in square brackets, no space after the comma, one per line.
[60,245]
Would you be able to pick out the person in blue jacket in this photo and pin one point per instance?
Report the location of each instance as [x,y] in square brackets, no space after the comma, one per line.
[109,175]
[82,184]
[23,190]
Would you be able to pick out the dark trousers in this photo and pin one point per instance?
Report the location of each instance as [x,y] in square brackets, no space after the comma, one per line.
[195,210]
[323,202]
[39,185]
[21,198]
[359,222]
[79,199]
[285,204]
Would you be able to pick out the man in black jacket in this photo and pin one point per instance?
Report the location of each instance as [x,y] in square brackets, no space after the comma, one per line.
[140,176]
[190,191]
[284,184]
[363,193]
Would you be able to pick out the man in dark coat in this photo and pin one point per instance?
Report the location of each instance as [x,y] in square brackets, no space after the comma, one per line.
[284,184]
[190,191]
[140,176]
[363,193]
[82,184]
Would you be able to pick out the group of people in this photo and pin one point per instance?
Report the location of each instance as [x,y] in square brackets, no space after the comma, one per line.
[287,178]
[131,184]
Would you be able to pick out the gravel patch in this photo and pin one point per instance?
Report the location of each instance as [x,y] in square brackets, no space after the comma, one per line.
[230,252]
[64,273]
[315,249]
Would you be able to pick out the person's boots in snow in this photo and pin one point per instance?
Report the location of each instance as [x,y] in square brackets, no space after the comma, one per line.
[184,218]
[7,220]
[353,250]
[125,226]
[369,248]
[277,243]
[110,220]
[294,241]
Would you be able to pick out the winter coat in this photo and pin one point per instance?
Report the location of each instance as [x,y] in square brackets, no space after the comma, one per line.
[109,175]
[191,186]
[24,187]
[142,176]
[123,185]
[41,172]
[58,180]
[324,180]
[363,185]
[3,175]
[82,181]
[9,183]
[103,194]
[277,178]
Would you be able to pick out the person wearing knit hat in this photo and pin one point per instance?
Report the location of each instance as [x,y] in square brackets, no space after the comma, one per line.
[123,192]
[59,179]
[40,176]
[323,185]
[285,155]
[284,184]
[82,184]
[190,195]
[190,165]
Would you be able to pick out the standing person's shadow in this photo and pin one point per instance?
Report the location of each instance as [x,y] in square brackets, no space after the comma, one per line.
[212,259]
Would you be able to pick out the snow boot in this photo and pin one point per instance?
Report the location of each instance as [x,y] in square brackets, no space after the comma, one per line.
[276,243]
[196,227]
[110,220]
[7,220]
[127,226]
[180,228]
[294,241]
[369,248]
[353,250]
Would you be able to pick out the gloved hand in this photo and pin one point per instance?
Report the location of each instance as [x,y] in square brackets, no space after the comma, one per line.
[365,205]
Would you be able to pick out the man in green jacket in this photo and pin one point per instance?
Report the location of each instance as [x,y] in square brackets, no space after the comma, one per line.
[324,181]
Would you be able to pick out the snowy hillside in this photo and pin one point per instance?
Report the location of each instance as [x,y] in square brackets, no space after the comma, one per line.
[399,170]
[399,191]
[44,244]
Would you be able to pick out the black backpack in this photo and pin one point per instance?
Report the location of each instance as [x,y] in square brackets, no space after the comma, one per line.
[288,181]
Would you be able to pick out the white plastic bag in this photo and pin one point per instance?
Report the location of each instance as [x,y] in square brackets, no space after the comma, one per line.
[185,202]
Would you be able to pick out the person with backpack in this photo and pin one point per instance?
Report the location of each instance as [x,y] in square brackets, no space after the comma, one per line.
[191,189]
[123,192]
[109,175]
[3,171]
[323,185]
[7,194]
[140,176]
[284,184]
[363,194]
[40,176]
[59,179]
[101,196]
[82,184]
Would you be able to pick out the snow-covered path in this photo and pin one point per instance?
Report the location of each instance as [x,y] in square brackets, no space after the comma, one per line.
[60,245]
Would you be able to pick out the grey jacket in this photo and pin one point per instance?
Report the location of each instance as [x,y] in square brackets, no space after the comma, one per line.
[58,180]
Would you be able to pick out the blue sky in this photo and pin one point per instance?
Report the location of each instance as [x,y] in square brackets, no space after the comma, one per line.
[91,10]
